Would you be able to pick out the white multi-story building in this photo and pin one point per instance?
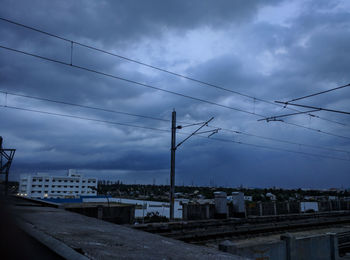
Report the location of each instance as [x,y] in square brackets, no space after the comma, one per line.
[43,185]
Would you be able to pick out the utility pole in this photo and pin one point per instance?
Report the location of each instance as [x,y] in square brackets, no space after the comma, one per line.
[172,163]
[173,150]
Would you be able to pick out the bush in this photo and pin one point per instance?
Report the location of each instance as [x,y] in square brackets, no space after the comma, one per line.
[155,217]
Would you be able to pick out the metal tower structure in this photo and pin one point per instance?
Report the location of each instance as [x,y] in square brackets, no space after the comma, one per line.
[6,157]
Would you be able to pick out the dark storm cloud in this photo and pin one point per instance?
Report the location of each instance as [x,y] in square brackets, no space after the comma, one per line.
[223,42]
[120,21]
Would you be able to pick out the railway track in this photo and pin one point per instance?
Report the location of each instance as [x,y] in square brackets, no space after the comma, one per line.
[209,230]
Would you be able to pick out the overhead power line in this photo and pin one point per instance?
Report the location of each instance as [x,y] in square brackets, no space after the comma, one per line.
[285,141]
[156,68]
[317,130]
[166,130]
[156,88]
[167,120]
[84,118]
[129,80]
[84,106]
[315,108]
[318,93]
[278,149]
[273,118]
[134,61]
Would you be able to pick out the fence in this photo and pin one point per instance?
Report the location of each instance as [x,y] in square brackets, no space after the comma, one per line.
[292,207]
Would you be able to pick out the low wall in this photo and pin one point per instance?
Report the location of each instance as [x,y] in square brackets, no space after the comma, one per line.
[198,211]
[293,207]
[318,247]
[119,215]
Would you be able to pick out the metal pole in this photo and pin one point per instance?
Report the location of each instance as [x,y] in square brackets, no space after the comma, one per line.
[172,164]
[6,183]
[1,169]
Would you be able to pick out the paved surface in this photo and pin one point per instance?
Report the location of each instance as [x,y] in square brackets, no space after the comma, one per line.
[98,239]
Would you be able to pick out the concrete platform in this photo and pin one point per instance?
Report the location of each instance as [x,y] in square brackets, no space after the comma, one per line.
[80,237]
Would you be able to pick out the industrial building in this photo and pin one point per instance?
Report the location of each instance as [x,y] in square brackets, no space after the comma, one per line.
[43,185]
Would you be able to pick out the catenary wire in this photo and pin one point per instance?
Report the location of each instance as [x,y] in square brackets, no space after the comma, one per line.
[158,68]
[285,141]
[84,106]
[167,120]
[160,89]
[318,93]
[168,131]
[128,80]
[84,118]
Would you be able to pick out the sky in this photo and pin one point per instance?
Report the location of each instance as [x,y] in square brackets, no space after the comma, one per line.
[248,54]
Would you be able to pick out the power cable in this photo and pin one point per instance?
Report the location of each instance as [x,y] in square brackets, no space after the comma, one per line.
[279,149]
[84,118]
[84,106]
[129,80]
[165,130]
[312,107]
[158,68]
[318,93]
[166,120]
[160,89]
[285,141]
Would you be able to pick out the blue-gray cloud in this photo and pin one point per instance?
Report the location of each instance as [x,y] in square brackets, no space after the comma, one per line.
[223,43]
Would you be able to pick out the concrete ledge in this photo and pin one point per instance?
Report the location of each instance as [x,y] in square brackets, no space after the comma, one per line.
[97,239]
[55,245]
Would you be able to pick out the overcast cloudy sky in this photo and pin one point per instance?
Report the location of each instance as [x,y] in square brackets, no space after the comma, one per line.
[270,50]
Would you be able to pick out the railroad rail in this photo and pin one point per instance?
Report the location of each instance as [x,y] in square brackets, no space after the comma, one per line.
[203,231]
